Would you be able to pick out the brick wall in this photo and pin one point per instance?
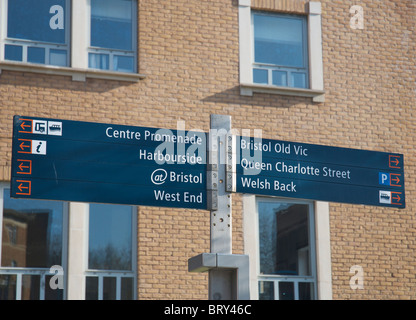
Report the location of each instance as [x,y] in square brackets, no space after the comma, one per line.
[188,51]
[294,6]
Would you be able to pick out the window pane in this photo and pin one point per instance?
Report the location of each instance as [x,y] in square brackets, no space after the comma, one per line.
[266,290]
[298,80]
[306,291]
[37,20]
[279,78]
[30,287]
[286,291]
[110,237]
[260,76]
[279,40]
[91,286]
[127,288]
[8,287]
[32,233]
[112,24]
[57,57]
[109,284]
[98,61]
[284,238]
[14,53]
[36,55]
[52,294]
[123,63]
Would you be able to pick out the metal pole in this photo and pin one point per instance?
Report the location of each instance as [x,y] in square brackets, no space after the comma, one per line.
[228,273]
[221,231]
[221,281]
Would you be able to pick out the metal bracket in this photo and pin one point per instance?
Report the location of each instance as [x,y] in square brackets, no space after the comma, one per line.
[212,187]
[232,267]
[231,165]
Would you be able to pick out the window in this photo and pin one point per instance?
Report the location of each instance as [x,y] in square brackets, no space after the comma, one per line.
[286,250]
[32,241]
[37,235]
[111,273]
[280,50]
[289,248]
[112,35]
[281,53]
[37,32]
[91,38]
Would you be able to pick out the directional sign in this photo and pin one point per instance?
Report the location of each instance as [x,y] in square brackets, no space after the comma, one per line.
[297,170]
[94,162]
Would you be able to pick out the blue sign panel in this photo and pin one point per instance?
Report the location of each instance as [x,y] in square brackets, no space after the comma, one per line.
[317,172]
[94,162]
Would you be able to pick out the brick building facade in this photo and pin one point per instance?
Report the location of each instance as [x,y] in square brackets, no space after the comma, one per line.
[190,65]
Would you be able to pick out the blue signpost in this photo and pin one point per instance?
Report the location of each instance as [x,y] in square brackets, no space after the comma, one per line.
[94,162]
[298,170]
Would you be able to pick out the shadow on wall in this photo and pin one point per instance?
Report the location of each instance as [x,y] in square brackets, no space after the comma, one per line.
[28,79]
[233,96]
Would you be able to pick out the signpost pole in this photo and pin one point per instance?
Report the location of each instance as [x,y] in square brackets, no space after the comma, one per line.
[228,273]
[221,281]
[221,232]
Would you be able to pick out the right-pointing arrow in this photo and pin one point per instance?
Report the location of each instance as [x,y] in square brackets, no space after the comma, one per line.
[395,179]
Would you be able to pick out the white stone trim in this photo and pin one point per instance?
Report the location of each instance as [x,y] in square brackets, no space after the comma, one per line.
[247,89]
[77,74]
[323,250]
[250,227]
[315,47]
[77,250]
[244,21]
[80,34]
[3,30]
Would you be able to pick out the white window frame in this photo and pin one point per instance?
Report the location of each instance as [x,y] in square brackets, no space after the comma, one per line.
[113,52]
[78,48]
[272,67]
[118,274]
[5,40]
[78,255]
[316,83]
[19,272]
[320,258]
[312,253]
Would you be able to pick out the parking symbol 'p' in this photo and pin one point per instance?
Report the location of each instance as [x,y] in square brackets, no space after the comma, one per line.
[384,178]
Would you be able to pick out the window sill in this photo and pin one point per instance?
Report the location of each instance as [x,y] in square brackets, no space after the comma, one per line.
[248,90]
[75,73]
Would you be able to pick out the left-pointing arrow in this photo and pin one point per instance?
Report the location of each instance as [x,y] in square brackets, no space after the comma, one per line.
[26,125]
[21,187]
[25,166]
[25,146]
[24,187]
